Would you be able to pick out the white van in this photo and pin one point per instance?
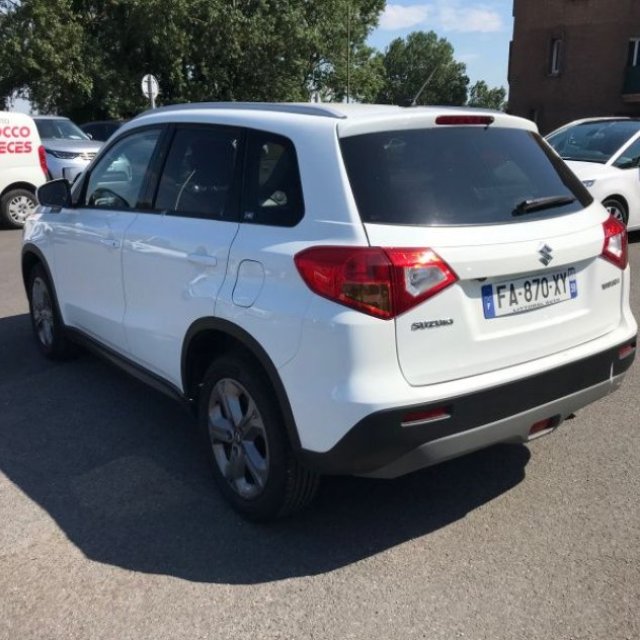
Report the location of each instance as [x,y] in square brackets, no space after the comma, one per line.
[23,167]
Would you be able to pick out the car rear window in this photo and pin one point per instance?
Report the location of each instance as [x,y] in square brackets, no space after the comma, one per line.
[456,176]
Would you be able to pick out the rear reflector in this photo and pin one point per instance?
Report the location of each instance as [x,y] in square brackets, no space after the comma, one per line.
[544,425]
[615,247]
[416,418]
[42,156]
[382,282]
[478,120]
[626,350]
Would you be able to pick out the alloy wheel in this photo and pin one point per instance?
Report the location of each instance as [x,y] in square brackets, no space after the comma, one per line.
[19,207]
[616,211]
[238,438]
[42,311]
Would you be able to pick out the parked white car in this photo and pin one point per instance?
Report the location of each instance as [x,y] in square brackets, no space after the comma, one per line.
[605,154]
[344,289]
[23,167]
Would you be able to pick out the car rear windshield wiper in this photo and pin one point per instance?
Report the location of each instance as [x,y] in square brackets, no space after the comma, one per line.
[538,204]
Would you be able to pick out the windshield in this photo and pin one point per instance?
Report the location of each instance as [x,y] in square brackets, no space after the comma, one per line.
[458,176]
[60,129]
[593,141]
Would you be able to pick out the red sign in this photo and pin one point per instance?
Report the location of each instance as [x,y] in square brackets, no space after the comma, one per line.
[16,142]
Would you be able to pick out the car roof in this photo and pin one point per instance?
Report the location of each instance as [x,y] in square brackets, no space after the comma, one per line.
[114,121]
[348,119]
[604,119]
[339,110]
[49,117]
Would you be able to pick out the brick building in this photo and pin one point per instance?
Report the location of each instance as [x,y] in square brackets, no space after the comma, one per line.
[573,59]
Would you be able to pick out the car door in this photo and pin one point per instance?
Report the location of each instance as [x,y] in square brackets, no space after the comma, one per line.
[88,238]
[175,259]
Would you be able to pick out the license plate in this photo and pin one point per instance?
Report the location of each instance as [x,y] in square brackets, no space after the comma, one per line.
[527,294]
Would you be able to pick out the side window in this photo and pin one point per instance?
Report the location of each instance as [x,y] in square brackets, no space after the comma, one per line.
[630,157]
[117,180]
[273,193]
[198,176]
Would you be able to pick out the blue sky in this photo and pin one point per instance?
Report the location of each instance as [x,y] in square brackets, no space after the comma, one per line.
[479,31]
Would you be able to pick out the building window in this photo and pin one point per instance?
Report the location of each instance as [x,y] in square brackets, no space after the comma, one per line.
[555,63]
[633,58]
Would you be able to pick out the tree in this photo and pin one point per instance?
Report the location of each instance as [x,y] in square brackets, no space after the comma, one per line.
[480,95]
[42,52]
[85,58]
[423,58]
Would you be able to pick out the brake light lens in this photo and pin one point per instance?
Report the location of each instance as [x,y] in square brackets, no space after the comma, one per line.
[457,120]
[615,248]
[382,282]
[42,156]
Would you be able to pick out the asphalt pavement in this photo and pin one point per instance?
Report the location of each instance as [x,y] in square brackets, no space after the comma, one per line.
[110,526]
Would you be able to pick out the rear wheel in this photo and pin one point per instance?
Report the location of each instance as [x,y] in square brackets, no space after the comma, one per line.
[15,206]
[45,319]
[252,460]
[617,209]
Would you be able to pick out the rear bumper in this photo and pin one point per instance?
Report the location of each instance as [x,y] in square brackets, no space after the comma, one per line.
[380,446]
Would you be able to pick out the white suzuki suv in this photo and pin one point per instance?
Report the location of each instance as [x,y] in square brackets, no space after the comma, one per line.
[336,289]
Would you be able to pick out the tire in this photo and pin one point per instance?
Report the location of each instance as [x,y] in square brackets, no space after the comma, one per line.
[251,456]
[48,328]
[617,209]
[15,206]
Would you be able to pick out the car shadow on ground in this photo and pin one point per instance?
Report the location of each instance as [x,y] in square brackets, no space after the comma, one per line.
[122,472]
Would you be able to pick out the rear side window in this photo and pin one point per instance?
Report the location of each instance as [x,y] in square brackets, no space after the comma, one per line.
[198,177]
[273,193]
[456,176]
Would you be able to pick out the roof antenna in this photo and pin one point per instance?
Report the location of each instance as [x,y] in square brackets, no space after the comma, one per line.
[414,102]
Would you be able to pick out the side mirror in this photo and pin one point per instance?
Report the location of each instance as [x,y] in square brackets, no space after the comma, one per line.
[56,193]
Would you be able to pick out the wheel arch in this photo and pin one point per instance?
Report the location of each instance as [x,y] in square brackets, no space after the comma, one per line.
[32,255]
[27,186]
[208,338]
[620,198]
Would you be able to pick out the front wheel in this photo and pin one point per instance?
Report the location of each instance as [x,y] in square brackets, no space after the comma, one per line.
[616,209]
[45,319]
[252,460]
[15,206]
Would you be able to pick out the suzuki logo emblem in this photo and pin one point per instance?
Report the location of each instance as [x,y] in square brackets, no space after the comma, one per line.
[545,254]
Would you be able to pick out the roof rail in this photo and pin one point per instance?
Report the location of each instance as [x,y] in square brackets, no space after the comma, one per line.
[311,109]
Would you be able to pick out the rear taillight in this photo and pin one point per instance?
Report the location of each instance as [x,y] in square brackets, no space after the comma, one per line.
[383,282]
[42,156]
[615,247]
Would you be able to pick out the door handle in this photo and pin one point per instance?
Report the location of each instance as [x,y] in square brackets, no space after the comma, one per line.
[203,259]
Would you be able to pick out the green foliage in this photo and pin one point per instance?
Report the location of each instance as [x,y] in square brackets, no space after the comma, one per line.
[85,58]
[481,96]
[423,57]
